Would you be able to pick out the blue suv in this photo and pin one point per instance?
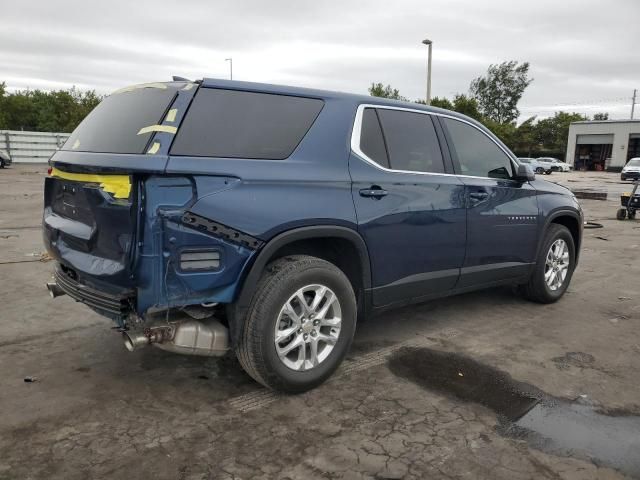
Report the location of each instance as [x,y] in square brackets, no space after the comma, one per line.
[215,215]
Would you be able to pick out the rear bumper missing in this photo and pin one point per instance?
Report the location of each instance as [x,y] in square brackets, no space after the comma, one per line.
[115,307]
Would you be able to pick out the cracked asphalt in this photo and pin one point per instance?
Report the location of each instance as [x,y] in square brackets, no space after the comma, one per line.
[98,411]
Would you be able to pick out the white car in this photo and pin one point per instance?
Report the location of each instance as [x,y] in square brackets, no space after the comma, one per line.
[631,170]
[555,164]
[536,166]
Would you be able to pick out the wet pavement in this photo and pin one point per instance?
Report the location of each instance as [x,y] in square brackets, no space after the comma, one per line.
[559,391]
[549,424]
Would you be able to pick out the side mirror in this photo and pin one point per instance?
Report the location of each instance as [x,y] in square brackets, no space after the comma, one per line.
[525,173]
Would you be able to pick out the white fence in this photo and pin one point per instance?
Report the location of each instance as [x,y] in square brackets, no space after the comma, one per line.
[31,147]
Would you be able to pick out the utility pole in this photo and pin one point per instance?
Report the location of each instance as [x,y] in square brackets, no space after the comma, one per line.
[230,60]
[633,102]
[429,44]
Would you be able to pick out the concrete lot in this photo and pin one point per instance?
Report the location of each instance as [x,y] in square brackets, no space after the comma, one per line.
[98,411]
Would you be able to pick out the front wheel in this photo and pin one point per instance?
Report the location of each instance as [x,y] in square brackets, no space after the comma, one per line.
[554,266]
[539,170]
[299,325]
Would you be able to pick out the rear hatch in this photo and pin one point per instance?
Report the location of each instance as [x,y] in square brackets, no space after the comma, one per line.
[93,195]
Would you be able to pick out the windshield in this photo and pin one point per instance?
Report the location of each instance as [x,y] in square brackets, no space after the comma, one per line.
[634,162]
[114,126]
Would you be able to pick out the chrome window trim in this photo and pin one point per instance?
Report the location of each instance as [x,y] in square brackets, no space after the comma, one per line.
[357,131]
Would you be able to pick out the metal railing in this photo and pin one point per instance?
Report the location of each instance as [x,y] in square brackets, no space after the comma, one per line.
[31,147]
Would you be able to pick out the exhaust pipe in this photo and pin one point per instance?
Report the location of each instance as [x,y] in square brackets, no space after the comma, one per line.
[188,337]
[55,290]
[133,340]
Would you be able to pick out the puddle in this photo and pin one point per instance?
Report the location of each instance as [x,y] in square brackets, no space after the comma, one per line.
[526,412]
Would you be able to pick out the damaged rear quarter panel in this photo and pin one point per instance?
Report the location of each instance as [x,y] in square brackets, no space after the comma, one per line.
[161,282]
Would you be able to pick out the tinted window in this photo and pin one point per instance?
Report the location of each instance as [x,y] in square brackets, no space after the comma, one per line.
[371,140]
[476,153]
[235,124]
[411,141]
[113,126]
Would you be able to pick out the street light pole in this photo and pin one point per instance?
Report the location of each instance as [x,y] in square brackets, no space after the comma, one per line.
[429,44]
[230,60]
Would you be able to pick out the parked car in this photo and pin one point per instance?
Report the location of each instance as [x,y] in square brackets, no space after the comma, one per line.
[537,167]
[555,164]
[631,170]
[217,215]
[5,159]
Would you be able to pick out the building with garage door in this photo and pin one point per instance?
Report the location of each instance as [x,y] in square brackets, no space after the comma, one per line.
[603,144]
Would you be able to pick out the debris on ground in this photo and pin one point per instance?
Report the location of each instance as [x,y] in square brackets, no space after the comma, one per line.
[30,379]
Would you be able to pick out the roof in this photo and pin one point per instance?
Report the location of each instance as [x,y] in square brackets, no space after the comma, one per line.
[324,94]
[587,122]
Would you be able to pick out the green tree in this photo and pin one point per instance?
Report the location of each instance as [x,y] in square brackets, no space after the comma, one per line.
[379,90]
[439,103]
[467,106]
[37,110]
[552,132]
[500,90]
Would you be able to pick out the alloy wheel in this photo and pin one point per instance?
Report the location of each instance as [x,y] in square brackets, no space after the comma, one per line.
[556,265]
[308,327]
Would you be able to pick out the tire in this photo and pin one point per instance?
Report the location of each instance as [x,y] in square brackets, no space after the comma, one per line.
[537,289]
[632,215]
[539,170]
[1,163]
[548,172]
[621,214]
[277,288]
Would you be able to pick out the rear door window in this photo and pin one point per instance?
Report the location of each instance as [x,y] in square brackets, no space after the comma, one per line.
[114,125]
[475,153]
[411,139]
[239,124]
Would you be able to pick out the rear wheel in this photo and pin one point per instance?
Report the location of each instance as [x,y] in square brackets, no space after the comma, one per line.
[539,170]
[554,266]
[299,325]
[1,163]
[621,214]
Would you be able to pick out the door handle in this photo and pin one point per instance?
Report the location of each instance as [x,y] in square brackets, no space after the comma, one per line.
[478,196]
[374,192]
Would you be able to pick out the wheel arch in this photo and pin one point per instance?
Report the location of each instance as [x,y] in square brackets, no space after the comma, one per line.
[323,241]
[570,219]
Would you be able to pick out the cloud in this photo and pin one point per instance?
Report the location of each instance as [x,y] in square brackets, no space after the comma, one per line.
[581,52]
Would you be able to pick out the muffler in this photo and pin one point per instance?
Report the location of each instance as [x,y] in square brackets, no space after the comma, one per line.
[55,290]
[189,337]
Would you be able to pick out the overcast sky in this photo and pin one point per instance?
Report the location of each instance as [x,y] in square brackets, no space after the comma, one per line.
[584,55]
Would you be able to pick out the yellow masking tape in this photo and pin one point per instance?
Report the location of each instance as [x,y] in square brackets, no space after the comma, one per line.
[131,88]
[188,86]
[158,128]
[75,145]
[154,148]
[117,185]
[171,115]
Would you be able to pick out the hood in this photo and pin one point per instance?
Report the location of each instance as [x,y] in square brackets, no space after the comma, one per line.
[550,187]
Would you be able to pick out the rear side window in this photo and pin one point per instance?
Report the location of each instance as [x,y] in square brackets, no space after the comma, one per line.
[237,124]
[476,154]
[411,139]
[114,125]
[371,139]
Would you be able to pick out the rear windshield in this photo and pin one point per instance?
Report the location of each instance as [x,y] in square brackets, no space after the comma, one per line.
[113,126]
[237,124]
